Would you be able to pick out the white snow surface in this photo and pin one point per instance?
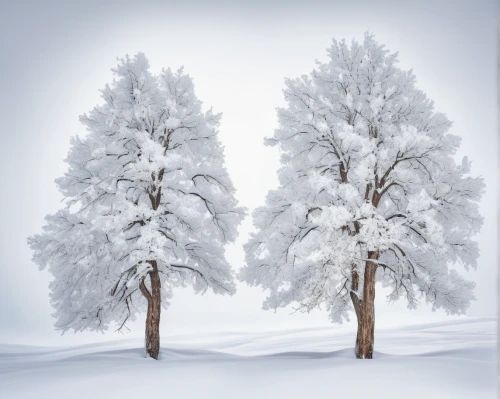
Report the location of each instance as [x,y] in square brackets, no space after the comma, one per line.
[456,359]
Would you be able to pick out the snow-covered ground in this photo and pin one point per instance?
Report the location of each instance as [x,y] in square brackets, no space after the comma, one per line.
[456,359]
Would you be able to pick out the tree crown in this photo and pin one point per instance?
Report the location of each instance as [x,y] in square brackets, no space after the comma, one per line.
[367,167]
[147,183]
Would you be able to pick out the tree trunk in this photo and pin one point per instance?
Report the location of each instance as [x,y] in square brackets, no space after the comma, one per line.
[360,354]
[154,309]
[366,318]
[355,299]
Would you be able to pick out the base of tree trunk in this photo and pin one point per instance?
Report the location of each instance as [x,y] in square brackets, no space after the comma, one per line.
[366,320]
[152,342]
[153,316]
[364,348]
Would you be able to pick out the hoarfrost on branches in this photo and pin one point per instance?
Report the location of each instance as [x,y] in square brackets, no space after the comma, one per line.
[147,183]
[368,176]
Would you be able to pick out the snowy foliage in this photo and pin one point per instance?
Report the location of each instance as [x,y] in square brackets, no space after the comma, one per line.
[147,183]
[367,167]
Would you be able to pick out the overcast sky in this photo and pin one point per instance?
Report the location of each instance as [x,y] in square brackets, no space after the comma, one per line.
[57,55]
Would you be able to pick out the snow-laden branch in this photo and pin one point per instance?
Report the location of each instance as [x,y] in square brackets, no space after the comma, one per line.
[146,186]
[368,167]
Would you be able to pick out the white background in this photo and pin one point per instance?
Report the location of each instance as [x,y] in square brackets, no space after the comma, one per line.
[56,55]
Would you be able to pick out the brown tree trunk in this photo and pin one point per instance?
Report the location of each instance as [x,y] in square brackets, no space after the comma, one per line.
[355,299]
[154,309]
[366,318]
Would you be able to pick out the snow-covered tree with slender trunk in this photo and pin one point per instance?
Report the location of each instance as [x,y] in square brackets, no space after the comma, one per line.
[149,206]
[368,191]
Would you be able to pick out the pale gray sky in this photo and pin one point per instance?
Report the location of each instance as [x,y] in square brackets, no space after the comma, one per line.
[56,55]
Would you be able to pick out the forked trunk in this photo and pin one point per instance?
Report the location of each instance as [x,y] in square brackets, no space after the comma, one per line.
[366,312]
[154,309]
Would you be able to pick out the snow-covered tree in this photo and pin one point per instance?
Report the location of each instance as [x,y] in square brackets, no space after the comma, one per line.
[368,191]
[149,206]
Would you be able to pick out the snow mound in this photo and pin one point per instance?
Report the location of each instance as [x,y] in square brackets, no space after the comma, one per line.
[446,360]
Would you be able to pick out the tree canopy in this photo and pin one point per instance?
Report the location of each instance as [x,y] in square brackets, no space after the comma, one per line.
[368,174]
[147,183]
